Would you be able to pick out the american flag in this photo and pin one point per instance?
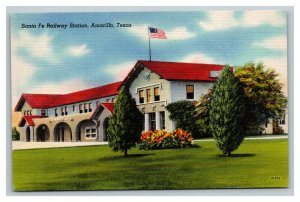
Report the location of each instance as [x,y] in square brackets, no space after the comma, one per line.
[157,33]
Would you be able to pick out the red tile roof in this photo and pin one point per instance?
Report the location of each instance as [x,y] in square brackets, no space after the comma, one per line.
[166,70]
[109,106]
[53,100]
[182,71]
[29,120]
[104,105]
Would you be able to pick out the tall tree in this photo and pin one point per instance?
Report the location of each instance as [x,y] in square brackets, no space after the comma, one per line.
[126,124]
[15,134]
[183,112]
[202,114]
[227,112]
[263,90]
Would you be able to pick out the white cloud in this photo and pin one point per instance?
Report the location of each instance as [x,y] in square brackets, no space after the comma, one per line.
[279,42]
[78,51]
[139,30]
[21,71]
[219,21]
[225,20]
[198,58]
[62,87]
[179,33]
[120,71]
[39,46]
[256,18]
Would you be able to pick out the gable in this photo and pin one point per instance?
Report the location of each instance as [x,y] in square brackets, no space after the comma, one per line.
[175,71]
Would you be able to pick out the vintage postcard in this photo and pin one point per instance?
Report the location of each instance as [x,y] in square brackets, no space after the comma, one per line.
[156,100]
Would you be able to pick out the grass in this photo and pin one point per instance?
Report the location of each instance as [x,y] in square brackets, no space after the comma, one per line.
[256,164]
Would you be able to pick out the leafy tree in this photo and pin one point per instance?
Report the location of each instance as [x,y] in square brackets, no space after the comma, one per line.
[126,124]
[202,114]
[183,112]
[227,112]
[15,134]
[265,98]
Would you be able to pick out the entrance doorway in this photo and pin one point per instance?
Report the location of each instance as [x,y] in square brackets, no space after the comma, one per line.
[42,134]
[62,133]
[28,134]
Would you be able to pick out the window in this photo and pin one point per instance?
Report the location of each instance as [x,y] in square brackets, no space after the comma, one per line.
[152,124]
[85,107]
[30,112]
[62,111]
[90,133]
[56,114]
[156,94]
[24,112]
[66,110]
[108,100]
[90,107]
[162,120]
[148,93]
[43,112]
[113,99]
[80,108]
[73,108]
[141,96]
[189,91]
[97,103]
[282,120]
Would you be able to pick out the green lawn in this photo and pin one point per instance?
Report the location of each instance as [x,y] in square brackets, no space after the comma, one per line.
[256,164]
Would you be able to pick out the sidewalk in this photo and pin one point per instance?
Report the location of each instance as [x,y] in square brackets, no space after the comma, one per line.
[267,137]
[16,145]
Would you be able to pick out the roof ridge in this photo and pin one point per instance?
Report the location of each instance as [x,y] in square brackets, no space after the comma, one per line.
[114,83]
[156,61]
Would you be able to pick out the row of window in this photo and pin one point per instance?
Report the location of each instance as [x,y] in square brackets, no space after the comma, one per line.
[189,94]
[148,95]
[27,112]
[90,133]
[152,121]
[82,108]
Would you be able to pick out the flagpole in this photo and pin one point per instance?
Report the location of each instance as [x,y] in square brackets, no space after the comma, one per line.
[149,43]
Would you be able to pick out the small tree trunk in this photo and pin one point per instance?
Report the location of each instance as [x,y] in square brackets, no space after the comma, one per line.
[228,154]
[124,152]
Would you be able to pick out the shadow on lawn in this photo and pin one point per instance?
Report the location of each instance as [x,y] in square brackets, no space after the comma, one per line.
[121,157]
[236,155]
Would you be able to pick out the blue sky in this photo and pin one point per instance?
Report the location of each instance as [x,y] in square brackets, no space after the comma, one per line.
[49,60]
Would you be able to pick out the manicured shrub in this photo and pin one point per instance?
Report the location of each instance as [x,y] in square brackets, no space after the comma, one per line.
[125,124]
[227,113]
[183,112]
[15,134]
[161,139]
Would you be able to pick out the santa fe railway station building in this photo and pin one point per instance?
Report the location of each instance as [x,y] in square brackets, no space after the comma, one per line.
[83,115]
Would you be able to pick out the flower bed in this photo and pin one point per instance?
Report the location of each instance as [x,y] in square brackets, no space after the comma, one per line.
[161,139]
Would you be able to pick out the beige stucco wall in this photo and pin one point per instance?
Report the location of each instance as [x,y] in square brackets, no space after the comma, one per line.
[87,124]
[105,114]
[71,120]
[140,83]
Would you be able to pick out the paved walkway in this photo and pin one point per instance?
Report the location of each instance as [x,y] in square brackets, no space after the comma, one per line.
[16,145]
[267,137]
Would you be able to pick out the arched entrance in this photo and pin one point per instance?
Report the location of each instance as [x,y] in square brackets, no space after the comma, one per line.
[28,134]
[105,125]
[86,130]
[42,133]
[62,132]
